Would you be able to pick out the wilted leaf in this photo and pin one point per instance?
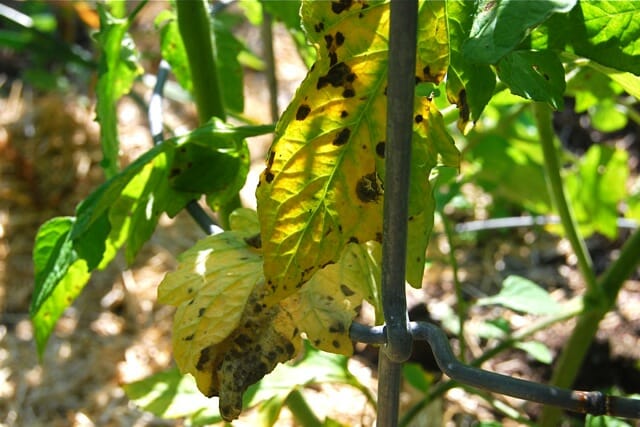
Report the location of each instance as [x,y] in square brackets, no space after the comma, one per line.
[523,295]
[535,75]
[323,185]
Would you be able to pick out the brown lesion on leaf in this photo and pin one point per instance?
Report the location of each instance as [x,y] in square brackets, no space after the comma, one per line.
[335,344]
[368,189]
[463,106]
[342,137]
[379,237]
[380,149]
[319,27]
[268,175]
[344,114]
[346,291]
[353,239]
[339,75]
[254,241]
[418,118]
[339,39]
[302,112]
[432,78]
[340,6]
[337,328]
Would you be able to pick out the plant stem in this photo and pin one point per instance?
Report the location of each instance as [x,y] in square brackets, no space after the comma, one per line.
[269,58]
[600,295]
[195,30]
[542,115]
[301,410]
[587,326]
[461,306]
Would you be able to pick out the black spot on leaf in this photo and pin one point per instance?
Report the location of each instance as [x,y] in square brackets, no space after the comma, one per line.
[339,38]
[463,106]
[268,176]
[418,118]
[333,58]
[337,328]
[303,112]
[353,239]
[340,6]
[342,137]
[201,312]
[254,241]
[348,93]
[380,149]
[343,114]
[336,77]
[203,359]
[346,291]
[368,189]
[319,27]
[174,172]
[335,343]
[328,40]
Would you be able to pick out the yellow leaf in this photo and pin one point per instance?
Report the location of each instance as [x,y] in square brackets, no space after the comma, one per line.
[211,288]
[326,305]
[323,185]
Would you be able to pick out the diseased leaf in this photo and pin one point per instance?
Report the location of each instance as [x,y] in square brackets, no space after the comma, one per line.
[228,336]
[124,210]
[332,298]
[535,75]
[499,25]
[469,86]
[323,185]
[118,68]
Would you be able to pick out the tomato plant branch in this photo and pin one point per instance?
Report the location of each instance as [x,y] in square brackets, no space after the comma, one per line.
[266,30]
[542,115]
[195,30]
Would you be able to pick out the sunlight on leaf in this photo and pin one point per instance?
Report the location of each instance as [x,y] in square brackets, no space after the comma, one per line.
[225,333]
[535,75]
[323,185]
[498,26]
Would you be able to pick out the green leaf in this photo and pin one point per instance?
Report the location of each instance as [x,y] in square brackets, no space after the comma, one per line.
[607,116]
[172,48]
[171,395]
[523,295]
[227,48]
[537,350]
[323,185]
[596,189]
[499,26]
[118,68]
[512,168]
[416,376]
[59,277]
[124,210]
[469,86]
[535,75]
[589,87]
[604,421]
[608,32]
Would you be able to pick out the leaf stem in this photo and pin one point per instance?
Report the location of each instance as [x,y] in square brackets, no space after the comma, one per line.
[195,29]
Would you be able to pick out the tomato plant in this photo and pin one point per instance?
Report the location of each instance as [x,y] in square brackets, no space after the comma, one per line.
[304,263]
